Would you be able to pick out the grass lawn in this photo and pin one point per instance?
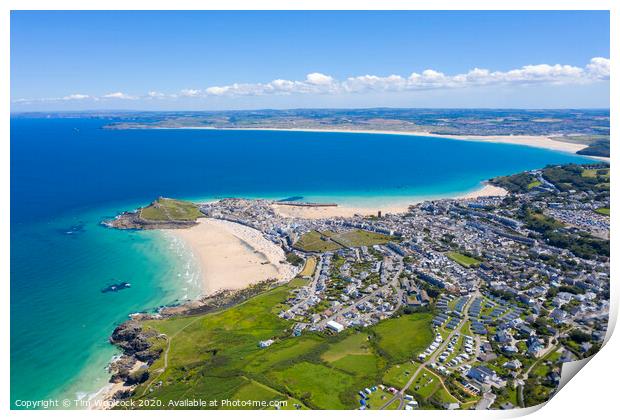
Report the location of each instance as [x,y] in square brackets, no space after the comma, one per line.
[533,184]
[309,267]
[464,260]
[318,384]
[593,173]
[444,396]
[603,210]
[366,365]
[393,406]
[425,384]
[398,375]
[356,344]
[280,353]
[320,241]
[354,355]
[297,282]
[164,209]
[314,241]
[256,391]
[357,238]
[402,338]
[377,399]
[589,173]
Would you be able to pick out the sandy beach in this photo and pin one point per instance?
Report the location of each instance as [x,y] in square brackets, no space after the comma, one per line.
[318,212]
[543,142]
[232,256]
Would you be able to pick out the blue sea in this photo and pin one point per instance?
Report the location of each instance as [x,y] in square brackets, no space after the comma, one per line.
[69,174]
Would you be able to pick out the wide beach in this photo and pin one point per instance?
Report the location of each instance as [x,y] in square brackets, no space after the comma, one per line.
[232,256]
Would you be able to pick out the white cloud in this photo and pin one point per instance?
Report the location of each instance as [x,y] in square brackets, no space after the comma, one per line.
[370,82]
[318,83]
[598,68]
[155,95]
[75,96]
[118,95]
[319,79]
[190,92]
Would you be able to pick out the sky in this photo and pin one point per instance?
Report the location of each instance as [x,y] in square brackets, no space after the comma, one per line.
[202,60]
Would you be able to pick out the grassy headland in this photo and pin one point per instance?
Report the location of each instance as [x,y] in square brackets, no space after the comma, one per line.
[163,213]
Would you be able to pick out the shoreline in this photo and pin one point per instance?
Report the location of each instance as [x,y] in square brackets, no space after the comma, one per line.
[540,142]
[103,399]
[400,205]
[217,245]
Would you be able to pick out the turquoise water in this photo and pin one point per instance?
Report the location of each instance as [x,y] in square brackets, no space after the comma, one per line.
[69,174]
[60,320]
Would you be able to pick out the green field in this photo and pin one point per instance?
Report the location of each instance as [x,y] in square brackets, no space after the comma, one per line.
[425,384]
[603,210]
[464,260]
[355,355]
[398,375]
[315,241]
[533,184]
[377,399]
[318,384]
[356,344]
[250,392]
[217,355]
[401,339]
[593,173]
[297,282]
[357,238]
[167,209]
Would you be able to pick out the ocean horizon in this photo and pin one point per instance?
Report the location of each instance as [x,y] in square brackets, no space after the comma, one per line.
[67,175]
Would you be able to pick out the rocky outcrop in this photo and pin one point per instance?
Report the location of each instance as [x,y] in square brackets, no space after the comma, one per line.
[121,368]
[135,342]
